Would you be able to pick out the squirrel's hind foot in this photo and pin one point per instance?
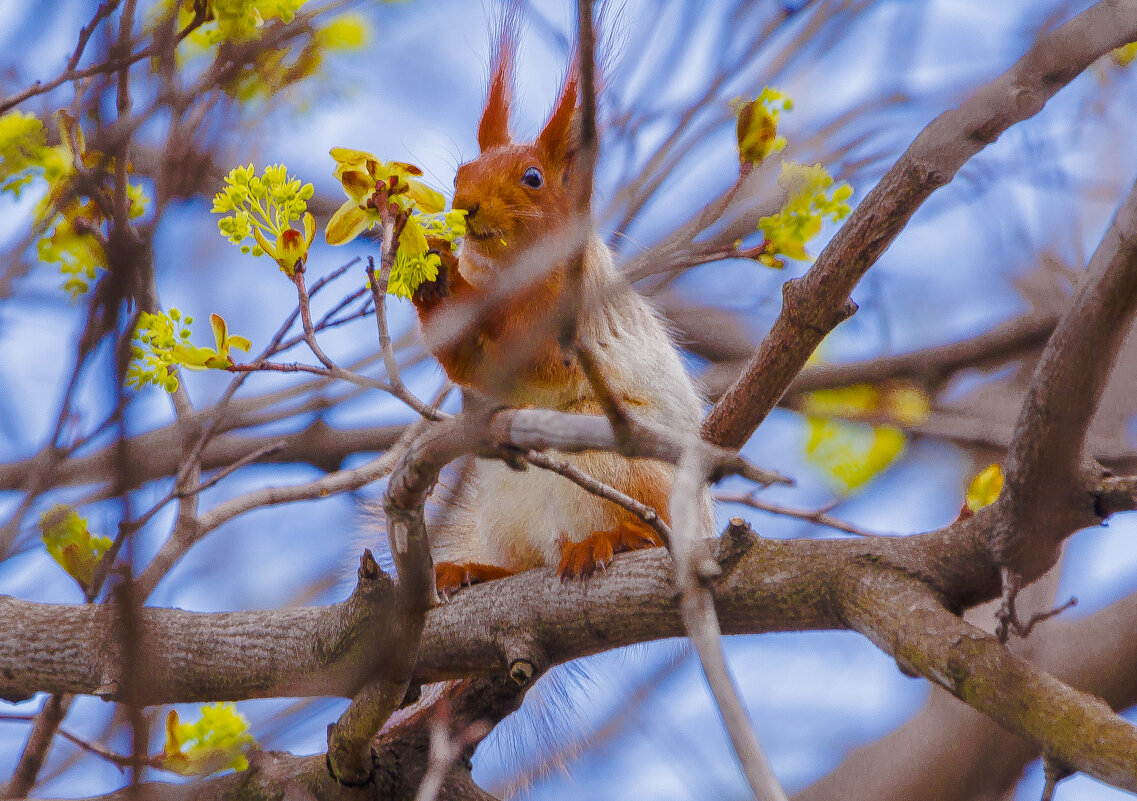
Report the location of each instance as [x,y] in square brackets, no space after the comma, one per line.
[449,577]
[581,559]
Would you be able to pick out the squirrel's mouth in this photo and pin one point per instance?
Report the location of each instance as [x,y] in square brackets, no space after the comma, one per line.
[481,233]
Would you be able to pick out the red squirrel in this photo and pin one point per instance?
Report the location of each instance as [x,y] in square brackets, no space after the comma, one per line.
[515,197]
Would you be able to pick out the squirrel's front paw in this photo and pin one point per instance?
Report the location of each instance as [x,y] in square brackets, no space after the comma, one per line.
[429,293]
[450,577]
[581,559]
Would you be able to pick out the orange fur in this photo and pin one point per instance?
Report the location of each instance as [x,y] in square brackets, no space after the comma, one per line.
[514,344]
[493,130]
[581,559]
[517,195]
[649,483]
[450,577]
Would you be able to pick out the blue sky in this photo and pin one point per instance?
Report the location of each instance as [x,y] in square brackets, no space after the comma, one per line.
[415,96]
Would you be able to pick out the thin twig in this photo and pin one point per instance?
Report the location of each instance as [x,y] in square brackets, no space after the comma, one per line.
[121,201]
[589,149]
[104,10]
[220,409]
[118,760]
[378,286]
[105,68]
[228,470]
[602,490]
[820,517]
[332,372]
[694,568]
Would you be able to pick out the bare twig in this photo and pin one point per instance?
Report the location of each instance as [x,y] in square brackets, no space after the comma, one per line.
[820,517]
[378,297]
[694,570]
[589,144]
[602,490]
[43,730]
[112,65]
[104,11]
[230,469]
[339,481]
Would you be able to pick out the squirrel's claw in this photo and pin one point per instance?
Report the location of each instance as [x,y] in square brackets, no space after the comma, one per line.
[449,577]
[582,559]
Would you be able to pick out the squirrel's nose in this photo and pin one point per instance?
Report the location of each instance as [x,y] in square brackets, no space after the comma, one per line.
[472,210]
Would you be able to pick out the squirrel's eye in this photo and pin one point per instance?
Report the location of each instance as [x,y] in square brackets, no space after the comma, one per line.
[533,178]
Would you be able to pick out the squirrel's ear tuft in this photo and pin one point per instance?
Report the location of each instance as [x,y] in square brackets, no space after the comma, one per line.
[493,130]
[557,140]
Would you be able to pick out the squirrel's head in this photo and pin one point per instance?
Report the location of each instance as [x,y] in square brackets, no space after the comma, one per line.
[514,193]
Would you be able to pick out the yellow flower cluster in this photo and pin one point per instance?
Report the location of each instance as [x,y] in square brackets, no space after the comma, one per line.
[901,401]
[23,150]
[71,543]
[161,345]
[757,124]
[264,206]
[237,20]
[849,455]
[69,223]
[216,741]
[810,198]
[361,174]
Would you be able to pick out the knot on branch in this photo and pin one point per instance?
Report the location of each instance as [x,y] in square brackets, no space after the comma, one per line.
[804,310]
[526,659]
[929,174]
[522,671]
[735,542]
[350,773]
[369,569]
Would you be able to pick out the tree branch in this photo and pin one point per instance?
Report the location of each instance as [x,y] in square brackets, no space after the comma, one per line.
[1045,472]
[814,304]
[392,660]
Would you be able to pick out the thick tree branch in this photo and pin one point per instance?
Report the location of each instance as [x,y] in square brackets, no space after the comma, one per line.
[1045,468]
[950,752]
[769,585]
[873,586]
[901,617]
[156,454]
[393,658]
